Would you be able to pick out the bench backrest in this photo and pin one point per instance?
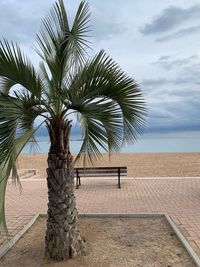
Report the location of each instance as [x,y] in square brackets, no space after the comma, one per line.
[101,171]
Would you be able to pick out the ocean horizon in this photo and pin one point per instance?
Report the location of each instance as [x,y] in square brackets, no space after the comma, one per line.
[142,145]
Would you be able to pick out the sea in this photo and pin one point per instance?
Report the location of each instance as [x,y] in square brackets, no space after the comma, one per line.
[145,144]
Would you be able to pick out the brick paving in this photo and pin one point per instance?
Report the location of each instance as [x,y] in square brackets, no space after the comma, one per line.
[180,198]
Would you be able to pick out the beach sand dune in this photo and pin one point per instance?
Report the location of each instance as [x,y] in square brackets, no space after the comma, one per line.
[138,164]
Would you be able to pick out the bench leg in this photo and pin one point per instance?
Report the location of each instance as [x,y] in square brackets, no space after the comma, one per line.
[77,183]
[119,184]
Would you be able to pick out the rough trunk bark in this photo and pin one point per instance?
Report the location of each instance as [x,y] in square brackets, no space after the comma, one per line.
[62,239]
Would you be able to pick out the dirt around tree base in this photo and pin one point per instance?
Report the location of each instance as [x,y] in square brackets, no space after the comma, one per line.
[110,242]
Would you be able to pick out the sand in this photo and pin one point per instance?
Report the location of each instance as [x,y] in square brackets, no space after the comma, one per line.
[138,164]
[110,242]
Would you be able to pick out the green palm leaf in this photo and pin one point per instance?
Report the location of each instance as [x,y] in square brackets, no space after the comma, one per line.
[15,68]
[110,104]
[16,116]
[61,47]
[9,167]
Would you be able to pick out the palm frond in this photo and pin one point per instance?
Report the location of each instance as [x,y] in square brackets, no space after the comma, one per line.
[111,103]
[61,47]
[16,116]
[9,167]
[46,82]
[6,84]
[52,33]
[9,114]
[15,68]
[31,108]
[78,42]
[102,129]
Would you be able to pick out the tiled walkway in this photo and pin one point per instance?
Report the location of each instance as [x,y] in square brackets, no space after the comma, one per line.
[180,198]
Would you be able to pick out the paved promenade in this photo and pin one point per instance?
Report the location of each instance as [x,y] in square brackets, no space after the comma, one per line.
[180,198]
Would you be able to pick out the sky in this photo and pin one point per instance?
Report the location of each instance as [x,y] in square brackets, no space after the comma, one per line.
[156,42]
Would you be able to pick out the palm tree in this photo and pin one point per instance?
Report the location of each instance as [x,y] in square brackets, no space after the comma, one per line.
[109,107]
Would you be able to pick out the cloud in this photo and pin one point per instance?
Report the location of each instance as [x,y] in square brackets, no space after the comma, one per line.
[170,18]
[168,115]
[168,128]
[181,71]
[179,34]
[190,79]
[170,62]
[173,67]
[154,82]
[173,99]
[18,22]
[105,25]
[160,113]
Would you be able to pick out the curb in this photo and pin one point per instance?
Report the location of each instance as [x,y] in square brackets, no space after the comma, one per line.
[184,242]
[9,243]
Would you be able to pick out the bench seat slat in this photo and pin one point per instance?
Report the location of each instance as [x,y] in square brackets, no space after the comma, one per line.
[99,175]
[102,168]
[100,171]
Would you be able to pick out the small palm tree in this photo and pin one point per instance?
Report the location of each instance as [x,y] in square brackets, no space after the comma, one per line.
[109,105]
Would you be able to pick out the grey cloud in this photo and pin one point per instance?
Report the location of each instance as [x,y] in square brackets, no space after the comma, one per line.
[186,70]
[153,82]
[171,128]
[170,18]
[190,75]
[147,84]
[174,116]
[191,79]
[164,57]
[183,80]
[174,102]
[179,34]
[167,62]
[181,72]
[160,113]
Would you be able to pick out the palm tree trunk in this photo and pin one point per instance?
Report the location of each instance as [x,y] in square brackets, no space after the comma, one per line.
[62,239]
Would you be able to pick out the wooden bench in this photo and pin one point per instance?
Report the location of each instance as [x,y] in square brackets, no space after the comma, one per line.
[99,172]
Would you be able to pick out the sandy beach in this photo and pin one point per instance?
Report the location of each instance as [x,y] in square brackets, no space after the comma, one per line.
[138,164]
